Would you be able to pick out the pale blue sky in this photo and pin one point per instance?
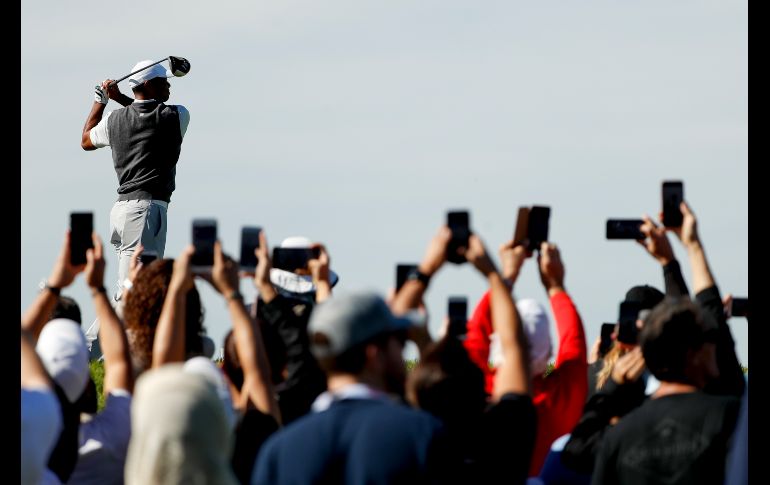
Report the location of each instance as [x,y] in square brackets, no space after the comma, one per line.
[359,123]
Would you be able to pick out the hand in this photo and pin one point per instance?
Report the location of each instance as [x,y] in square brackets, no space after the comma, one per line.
[224,273]
[593,355]
[629,367]
[551,268]
[319,267]
[727,303]
[135,264]
[264,264]
[181,276]
[688,233]
[113,91]
[63,272]
[512,258]
[435,255]
[95,264]
[101,95]
[476,254]
[656,243]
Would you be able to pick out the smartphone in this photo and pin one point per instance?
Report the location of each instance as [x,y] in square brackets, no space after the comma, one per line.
[402,271]
[459,223]
[627,331]
[249,242]
[673,195]
[624,229]
[81,228]
[740,307]
[520,233]
[204,235]
[606,338]
[457,309]
[292,259]
[537,226]
[147,257]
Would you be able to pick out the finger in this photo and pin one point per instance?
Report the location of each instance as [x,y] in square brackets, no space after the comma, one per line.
[98,249]
[66,249]
[685,208]
[219,258]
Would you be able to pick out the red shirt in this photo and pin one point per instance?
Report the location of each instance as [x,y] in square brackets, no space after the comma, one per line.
[558,398]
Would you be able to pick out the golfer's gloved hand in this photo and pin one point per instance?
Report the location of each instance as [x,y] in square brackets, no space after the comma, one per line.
[100,95]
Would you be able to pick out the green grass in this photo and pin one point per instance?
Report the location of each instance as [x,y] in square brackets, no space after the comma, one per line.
[97,374]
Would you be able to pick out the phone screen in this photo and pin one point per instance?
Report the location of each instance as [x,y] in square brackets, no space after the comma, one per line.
[204,235]
[402,271]
[249,242]
[606,338]
[537,226]
[459,223]
[81,228]
[147,257]
[673,195]
[457,310]
[292,259]
[624,229]
[627,331]
[740,307]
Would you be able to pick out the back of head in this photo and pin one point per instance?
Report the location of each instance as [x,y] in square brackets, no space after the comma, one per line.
[447,384]
[144,303]
[672,332]
[536,325]
[68,308]
[179,430]
[647,297]
[63,351]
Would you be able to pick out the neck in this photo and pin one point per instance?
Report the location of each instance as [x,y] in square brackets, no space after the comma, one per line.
[336,382]
[670,388]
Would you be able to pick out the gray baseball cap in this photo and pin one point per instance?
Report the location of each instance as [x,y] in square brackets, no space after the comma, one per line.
[346,320]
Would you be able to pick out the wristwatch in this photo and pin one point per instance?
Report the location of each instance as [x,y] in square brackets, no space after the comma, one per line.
[45,286]
[418,275]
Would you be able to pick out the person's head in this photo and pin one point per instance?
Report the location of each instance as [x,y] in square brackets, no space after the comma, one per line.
[678,345]
[356,334]
[274,347]
[67,308]
[143,306]
[446,383]
[643,299]
[297,284]
[179,430]
[534,319]
[64,354]
[151,83]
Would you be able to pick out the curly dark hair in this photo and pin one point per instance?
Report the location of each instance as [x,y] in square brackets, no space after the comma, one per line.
[144,303]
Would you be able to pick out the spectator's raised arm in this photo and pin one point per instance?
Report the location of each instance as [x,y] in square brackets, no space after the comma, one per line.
[117,362]
[319,269]
[62,275]
[169,344]
[513,375]
[257,387]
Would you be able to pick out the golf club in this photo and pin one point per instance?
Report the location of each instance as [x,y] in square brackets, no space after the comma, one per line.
[179,66]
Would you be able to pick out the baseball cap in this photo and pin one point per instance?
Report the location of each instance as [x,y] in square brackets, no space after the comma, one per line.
[150,73]
[645,296]
[292,283]
[62,348]
[350,319]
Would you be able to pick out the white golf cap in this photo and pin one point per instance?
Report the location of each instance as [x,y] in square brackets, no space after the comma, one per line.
[62,348]
[158,70]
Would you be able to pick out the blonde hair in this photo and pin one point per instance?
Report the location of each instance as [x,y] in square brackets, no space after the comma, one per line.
[616,351]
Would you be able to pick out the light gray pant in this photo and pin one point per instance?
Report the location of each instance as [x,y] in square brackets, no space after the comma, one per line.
[135,221]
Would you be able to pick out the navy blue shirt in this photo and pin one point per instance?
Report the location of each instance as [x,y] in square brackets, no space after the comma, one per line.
[354,441]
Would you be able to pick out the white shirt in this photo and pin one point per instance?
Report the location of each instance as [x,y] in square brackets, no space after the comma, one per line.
[351,391]
[100,135]
[104,441]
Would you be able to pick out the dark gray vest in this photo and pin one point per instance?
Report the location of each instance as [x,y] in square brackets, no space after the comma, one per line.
[146,140]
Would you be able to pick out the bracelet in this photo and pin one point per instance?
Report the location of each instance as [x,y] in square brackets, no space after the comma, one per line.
[45,286]
[235,295]
[98,289]
[418,275]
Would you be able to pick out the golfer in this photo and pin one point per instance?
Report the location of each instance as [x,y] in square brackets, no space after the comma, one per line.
[146,139]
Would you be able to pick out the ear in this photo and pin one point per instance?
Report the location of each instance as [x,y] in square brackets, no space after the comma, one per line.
[373,356]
